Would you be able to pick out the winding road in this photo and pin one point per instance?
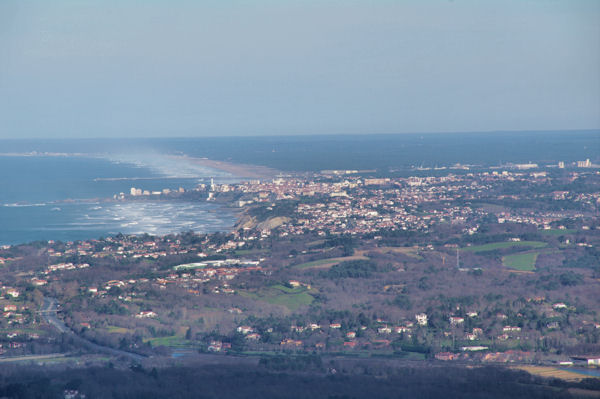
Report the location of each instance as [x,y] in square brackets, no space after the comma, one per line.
[48,312]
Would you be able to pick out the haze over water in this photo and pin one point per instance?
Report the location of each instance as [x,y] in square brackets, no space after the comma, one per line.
[63,197]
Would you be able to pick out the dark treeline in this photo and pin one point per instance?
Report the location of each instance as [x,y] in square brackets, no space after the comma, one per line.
[261,382]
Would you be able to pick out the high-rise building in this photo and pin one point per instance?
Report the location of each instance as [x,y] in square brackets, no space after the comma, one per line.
[584,164]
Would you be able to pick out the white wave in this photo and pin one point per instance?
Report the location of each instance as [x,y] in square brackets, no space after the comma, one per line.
[18,205]
[168,166]
[154,218]
[86,224]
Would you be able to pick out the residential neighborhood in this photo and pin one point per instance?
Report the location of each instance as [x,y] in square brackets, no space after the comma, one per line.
[463,266]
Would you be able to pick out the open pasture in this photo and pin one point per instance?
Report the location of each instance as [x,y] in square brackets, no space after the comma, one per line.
[523,262]
[291,298]
[503,245]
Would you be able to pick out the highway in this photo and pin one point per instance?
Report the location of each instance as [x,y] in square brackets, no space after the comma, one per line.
[48,312]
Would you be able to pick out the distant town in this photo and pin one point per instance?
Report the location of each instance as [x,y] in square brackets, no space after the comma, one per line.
[477,265]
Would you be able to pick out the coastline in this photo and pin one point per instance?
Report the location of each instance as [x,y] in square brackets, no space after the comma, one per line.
[236,169]
[51,213]
[239,170]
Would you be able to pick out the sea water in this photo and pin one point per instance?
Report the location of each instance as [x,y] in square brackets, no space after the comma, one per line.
[70,198]
[63,197]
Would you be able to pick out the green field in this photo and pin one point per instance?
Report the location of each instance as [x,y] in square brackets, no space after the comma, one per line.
[523,262]
[503,245]
[554,372]
[118,330]
[170,341]
[315,263]
[288,290]
[291,298]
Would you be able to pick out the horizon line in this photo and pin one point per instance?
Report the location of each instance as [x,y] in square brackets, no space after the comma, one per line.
[532,131]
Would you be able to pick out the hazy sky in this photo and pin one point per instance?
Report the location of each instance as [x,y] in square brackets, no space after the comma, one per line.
[106,68]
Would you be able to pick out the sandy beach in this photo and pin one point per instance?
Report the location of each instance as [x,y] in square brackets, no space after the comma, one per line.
[236,169]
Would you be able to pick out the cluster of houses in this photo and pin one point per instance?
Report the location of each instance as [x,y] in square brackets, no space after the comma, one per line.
[350,204]
[356,205]
[382,333]
[120,247]
[13,313]
[63,266]
[189,276]
[17,315]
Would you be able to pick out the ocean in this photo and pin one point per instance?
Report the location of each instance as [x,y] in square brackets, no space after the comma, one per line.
[402,151]
[69,198]
[380,151]
[63,197]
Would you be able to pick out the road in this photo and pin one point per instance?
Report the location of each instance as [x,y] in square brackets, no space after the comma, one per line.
[32,357]
[48,312]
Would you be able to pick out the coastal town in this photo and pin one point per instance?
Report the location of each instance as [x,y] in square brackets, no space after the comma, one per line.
[488,266]
[300,199]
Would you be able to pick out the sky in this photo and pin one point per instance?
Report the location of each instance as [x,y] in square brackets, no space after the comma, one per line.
[152,68]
